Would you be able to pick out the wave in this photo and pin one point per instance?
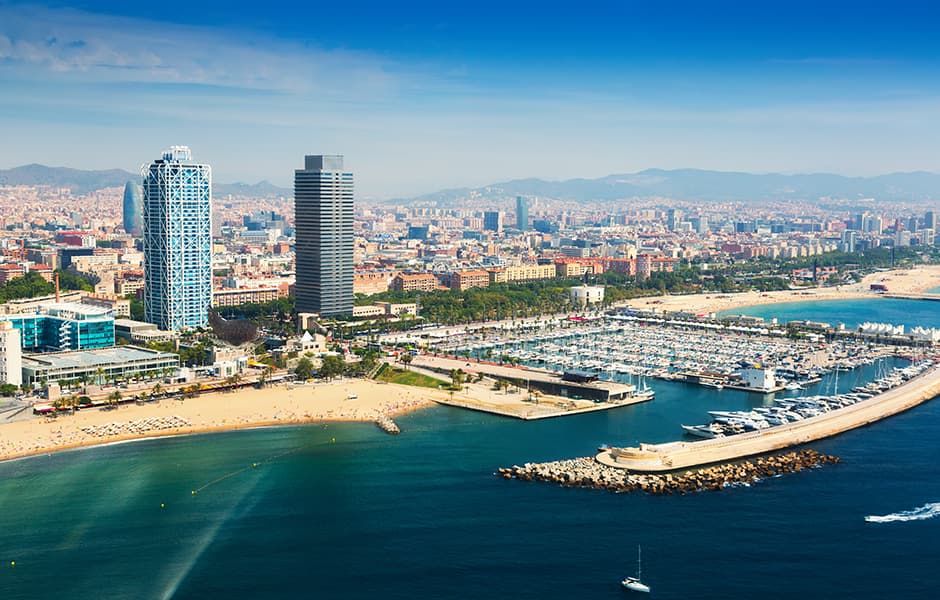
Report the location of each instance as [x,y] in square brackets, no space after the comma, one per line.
[927,511]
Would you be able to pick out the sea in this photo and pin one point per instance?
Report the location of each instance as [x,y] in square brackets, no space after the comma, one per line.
[347,511]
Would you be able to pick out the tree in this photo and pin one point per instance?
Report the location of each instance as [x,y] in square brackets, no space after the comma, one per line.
[333,366]
[304,369]
[406,359]
[114,398]
[456,378]
[265,374]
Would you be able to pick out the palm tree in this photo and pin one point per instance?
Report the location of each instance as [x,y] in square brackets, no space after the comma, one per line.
[406,359]
[113,398]
[157,389]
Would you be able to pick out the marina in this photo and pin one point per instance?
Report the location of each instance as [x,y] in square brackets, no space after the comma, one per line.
[631,348]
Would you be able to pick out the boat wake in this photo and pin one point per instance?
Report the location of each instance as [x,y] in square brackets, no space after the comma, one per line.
[927,511]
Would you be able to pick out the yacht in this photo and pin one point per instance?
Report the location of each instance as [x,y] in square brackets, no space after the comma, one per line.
[712,430]
[633,583]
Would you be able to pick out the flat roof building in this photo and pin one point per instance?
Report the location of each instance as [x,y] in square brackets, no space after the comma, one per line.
[120,362]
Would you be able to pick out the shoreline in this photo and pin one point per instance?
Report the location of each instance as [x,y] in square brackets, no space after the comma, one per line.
[216,412]
[910,281]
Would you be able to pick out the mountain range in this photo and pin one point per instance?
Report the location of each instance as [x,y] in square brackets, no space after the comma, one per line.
[701,185]
[82,182]
[677,184]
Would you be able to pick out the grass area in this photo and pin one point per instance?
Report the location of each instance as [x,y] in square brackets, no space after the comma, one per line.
[398,375]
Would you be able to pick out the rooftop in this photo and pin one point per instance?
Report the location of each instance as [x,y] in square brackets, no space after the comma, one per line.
[89,359]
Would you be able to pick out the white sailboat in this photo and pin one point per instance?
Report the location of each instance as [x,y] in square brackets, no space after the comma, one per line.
[633,583]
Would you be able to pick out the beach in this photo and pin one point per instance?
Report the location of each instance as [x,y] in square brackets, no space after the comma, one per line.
[900,281]
[342,400]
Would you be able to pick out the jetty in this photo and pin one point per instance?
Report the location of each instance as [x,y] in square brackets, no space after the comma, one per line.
[653,458]
[585,472]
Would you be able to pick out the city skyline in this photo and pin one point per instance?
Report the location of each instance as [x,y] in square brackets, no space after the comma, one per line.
[845,88]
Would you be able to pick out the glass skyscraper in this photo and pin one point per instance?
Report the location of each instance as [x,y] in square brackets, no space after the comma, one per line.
[132,208]
[522,213]
[177,240]
[323,232]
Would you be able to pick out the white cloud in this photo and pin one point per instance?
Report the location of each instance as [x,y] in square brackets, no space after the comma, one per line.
[115,49]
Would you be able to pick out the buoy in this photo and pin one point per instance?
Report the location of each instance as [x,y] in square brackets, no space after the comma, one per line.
[194,492]
[162,505]
[12,563]
[332,440]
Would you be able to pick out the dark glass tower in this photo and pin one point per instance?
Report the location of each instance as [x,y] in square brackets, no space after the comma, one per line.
[133,207]
[323,207]
[522,213]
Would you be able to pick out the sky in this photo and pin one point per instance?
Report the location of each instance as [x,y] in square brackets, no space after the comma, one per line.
[421,96]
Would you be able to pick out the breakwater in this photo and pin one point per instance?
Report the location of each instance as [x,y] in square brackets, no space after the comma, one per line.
[386,424]
[586,472]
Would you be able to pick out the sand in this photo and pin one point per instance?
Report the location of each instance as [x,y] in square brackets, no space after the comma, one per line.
[220,411]
[911,281]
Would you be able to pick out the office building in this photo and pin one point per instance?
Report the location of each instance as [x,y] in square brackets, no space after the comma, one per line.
[11,354]
[132,208]
[60,326]
[177,241]
[418,232]
[323,229]
[522,213]
[930,220]
[493,221]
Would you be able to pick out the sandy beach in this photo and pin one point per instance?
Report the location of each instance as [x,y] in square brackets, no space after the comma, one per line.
[249,407]
[909,281]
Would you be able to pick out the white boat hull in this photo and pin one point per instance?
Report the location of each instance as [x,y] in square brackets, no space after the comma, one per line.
[634,585]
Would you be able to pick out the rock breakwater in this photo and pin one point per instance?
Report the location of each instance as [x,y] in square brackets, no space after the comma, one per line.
[586,472]
[386,424]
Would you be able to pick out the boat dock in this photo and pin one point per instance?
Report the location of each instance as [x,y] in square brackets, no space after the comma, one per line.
[652,458]
[535,394]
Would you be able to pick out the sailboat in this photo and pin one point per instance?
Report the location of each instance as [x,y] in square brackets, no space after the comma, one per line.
[633,583]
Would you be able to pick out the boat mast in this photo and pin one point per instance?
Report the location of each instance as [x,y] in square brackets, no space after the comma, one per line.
[639,563]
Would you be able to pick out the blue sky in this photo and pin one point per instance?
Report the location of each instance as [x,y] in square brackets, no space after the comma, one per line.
[420,96]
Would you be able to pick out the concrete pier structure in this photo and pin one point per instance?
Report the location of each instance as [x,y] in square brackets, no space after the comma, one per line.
[652,458]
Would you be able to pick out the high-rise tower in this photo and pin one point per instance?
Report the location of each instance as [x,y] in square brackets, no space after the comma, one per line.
[522,213]
[323,231]
[177,240]
[132,208]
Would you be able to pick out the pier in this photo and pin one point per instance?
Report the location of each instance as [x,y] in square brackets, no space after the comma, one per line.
[929,297]
[653,458]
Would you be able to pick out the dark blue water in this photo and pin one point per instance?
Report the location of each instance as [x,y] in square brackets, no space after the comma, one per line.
[910,313]
[421,515]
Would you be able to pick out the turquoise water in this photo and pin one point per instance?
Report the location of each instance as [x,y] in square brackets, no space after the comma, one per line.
[935,290]
[287,512]
[910,313]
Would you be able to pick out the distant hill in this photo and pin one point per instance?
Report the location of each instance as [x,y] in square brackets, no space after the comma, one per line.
[700,185]
[82,182]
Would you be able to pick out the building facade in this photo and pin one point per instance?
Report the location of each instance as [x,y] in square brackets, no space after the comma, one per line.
[57,327]
[177,241]
[132,208]
[323,229]
[493,221]
[11,354]
[522,213]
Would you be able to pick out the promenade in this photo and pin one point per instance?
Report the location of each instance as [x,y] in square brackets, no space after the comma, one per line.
[651,458]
